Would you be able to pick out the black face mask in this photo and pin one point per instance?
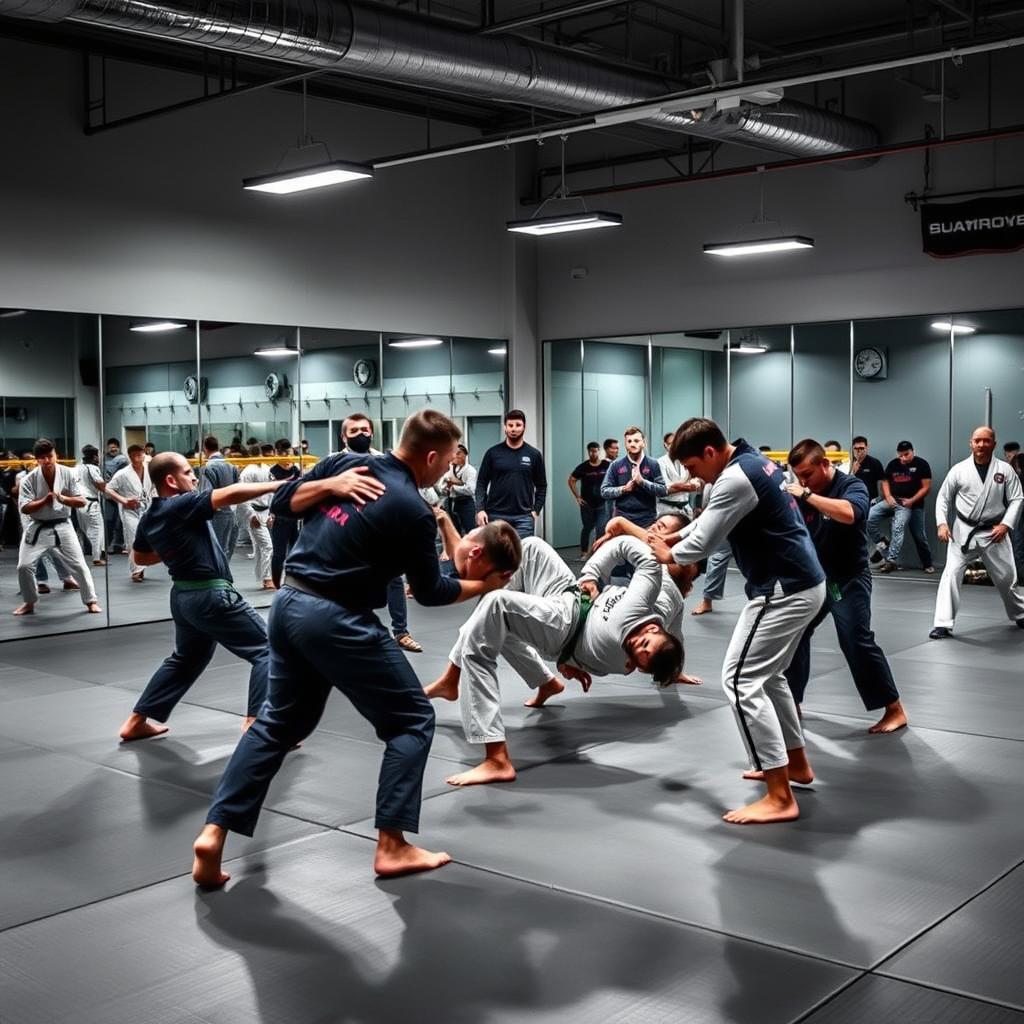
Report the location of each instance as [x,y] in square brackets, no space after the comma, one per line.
[360,444]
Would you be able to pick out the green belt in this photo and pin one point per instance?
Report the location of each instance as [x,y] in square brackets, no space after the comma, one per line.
[203,585]
[583,606]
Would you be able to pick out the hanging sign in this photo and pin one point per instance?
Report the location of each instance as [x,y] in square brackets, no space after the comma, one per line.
[989,224]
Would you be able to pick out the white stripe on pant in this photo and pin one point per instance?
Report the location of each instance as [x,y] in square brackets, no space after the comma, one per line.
[90,519]
[763,642]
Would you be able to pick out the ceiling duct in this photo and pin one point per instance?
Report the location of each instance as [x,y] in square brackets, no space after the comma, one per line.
[382,44]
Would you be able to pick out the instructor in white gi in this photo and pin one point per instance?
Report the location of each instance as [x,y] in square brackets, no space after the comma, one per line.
[987,497]
[785,590]
[545,613]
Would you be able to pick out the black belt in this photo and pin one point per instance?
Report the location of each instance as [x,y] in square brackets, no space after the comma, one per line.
[977,525]
[45,525]
[92,499]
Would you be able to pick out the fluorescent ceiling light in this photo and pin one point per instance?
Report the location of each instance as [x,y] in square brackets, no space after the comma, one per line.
[301,179]
[748,350]
[945,325]
[276,351]
[757,246]
[8,313]
[415,343]
[497,351]
[156,326]
[560,224]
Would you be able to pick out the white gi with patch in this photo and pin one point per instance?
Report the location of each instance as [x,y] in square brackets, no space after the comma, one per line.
[128,484]
[533,618]
[49,529]
[979,506]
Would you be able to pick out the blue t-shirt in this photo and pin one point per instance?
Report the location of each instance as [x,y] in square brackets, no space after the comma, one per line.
[842,550]
[351,554]
[178,529]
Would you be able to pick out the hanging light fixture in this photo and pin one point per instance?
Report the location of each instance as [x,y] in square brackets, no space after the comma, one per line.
[560,224]
[307,175]
[760,246]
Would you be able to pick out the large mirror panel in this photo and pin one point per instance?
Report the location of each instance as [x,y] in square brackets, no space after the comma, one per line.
[153,391]
[760,386]
[565,445]
[901,393]
[822,383]
[478,393]
[417,372]
[49,389]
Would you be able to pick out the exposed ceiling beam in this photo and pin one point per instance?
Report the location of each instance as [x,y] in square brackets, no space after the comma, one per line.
[552,14]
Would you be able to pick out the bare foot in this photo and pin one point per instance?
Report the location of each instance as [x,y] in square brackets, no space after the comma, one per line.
[93,608]
[98,561]
[396,857]
[268,585]
[551,688]
[43,588]
[71,585]
[488,770]
[703,608]
[25,609]
[138,727]
[137,577]
[894,718]
[446,686]
[764,811]
[209,849]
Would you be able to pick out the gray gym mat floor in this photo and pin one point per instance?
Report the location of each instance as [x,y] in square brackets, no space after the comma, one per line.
[602,885]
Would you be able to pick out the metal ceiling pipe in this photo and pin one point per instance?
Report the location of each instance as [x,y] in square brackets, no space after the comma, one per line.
[383,44]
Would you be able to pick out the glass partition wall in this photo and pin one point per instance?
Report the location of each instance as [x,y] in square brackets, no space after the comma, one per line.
[167,383]
[928,379]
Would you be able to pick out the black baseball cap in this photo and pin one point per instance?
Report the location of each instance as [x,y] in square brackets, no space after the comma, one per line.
[905,446]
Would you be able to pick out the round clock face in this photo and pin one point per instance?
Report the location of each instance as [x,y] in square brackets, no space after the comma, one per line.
[868,362]
[272,385]
[364,373]
[191,389]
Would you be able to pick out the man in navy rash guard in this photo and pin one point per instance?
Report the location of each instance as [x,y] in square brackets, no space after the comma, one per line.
[324,634]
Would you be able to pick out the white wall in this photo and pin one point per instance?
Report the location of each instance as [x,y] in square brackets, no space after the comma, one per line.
[151,219]
[651,274]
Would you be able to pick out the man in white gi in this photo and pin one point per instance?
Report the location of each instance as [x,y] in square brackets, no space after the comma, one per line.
[254,515]
[785,590]
[47,495]
[51,560]
[545,613]
[680,485]
[132,489]
[90,518]
[986,495]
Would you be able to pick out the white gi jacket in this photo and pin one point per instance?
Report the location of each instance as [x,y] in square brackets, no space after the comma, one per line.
[997,500]
[651,596]
[34,486]
[126,482]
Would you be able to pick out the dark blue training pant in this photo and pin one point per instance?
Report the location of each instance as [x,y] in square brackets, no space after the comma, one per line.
[316,645]
[203,619]
[868,666]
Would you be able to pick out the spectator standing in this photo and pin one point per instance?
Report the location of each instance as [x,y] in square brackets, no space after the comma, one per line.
[678,481]
[634,483]
[512,484]
[589,475]
[904,487]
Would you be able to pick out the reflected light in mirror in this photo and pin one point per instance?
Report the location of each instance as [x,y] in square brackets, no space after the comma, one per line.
[6,314]
[748,350]
[156,326]
[276,351]
[497,351]
[415,343]
[945,325]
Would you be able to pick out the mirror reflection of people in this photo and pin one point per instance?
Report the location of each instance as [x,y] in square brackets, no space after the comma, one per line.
[458,488]
[132,489]
[907,481]
[217,472]
[284,530]
[511,483]
[113,460]
[47,496]
[589,475]
[90,518]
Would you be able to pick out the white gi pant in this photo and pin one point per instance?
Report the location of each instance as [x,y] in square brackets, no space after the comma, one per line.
[763,643]
[90,519]
[262,546]
[130,519]
[57,536]
[998,559]
[532,618]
